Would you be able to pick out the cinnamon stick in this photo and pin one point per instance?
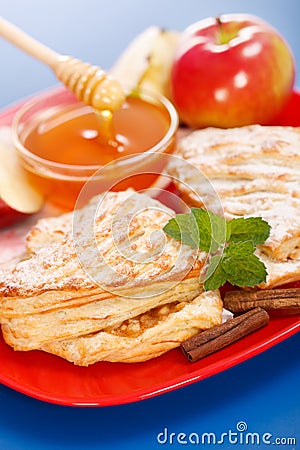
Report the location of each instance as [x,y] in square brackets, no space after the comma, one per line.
[216,338]
[270,299]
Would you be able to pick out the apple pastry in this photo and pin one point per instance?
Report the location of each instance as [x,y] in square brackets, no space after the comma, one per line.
[251,171]
[105,283]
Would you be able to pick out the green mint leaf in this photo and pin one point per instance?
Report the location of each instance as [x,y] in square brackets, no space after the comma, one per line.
[244,271]
[251,228]
[183,228]
[237,239]
[215,276]
[212,229]
[239,249]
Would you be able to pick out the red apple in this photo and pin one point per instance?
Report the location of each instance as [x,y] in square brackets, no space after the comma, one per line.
[231,71]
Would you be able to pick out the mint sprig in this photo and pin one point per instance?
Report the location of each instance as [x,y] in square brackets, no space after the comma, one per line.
[230,245]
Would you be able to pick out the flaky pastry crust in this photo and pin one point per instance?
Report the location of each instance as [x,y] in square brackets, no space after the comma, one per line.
[253,171]
[90,277]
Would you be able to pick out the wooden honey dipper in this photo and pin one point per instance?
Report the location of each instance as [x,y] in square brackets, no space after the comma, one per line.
[89,83]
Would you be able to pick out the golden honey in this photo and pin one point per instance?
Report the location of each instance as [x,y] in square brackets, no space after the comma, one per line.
[63,147]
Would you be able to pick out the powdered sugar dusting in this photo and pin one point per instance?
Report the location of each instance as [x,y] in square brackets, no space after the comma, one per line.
[255,170]
[117,244]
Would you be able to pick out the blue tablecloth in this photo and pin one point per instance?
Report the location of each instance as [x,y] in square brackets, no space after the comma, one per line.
[261,394]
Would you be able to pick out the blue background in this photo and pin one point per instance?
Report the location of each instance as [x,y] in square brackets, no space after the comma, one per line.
[98,30]
[264,391]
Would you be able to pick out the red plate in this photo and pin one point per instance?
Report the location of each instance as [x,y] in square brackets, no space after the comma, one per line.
[49,378]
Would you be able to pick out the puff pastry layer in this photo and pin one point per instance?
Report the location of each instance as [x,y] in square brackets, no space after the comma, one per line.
[105,283]
[248,171]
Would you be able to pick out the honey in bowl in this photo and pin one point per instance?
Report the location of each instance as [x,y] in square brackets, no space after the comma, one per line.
[60,145]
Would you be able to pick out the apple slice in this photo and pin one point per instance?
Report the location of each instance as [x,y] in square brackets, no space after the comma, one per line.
[157,76]
[15,190]
[134,61]
[146,62]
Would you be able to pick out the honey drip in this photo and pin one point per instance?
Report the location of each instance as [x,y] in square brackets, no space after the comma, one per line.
[94,87]
[106,131]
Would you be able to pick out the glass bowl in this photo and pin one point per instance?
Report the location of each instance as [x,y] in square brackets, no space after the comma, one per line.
[61,176]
